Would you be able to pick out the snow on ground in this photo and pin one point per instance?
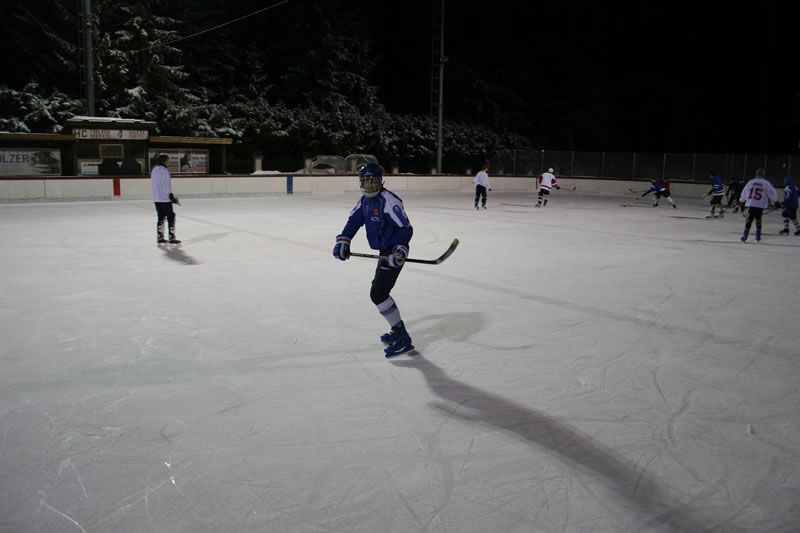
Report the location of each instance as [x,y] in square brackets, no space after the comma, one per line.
[585,367]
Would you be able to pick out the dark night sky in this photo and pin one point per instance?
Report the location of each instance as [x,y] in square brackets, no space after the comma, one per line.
[675,77]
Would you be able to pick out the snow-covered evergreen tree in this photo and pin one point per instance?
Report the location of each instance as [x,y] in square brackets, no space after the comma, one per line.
[41,43]
[287,81]
[35,109]
[140,74]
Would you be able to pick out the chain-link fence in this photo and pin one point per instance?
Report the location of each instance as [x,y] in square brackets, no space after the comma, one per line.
[631,165]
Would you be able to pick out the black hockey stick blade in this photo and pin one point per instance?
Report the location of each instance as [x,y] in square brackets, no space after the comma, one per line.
[447,253]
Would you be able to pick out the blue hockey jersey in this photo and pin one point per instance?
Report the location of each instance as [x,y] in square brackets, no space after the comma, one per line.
[383,217]
[790,197]
[717,186]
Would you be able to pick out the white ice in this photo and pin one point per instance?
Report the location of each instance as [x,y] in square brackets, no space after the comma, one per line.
[585,367]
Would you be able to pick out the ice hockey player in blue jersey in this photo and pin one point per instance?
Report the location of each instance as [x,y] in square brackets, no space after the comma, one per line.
[789,212]
[389,231]
[717,192]
[660,191]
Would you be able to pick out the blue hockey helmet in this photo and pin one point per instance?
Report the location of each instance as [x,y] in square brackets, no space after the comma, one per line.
[787,180]
[370,177]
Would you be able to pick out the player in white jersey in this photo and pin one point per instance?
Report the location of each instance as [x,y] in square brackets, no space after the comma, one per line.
[547,182]
[482,185]
[756,196]
[161,185]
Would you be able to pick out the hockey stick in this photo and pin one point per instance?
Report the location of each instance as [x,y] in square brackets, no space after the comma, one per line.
[631,202]
[447,253]
[745,211]
[635,192]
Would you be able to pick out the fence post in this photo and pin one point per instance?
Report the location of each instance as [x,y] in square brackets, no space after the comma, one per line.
[572,164]
[694,165]
[514,162]
[603,166]
[664,166]
[744,170]
[633,170]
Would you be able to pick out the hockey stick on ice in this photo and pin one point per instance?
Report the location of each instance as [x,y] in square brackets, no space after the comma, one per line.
[436,261]
[631,202]
[745,211]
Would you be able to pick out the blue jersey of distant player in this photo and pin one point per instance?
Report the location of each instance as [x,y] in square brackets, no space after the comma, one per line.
[383,217]
[790,193]
[717,186]
[657,187]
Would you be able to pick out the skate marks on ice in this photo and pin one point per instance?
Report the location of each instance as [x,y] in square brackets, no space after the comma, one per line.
[625,318]
[660,504]
[176,253]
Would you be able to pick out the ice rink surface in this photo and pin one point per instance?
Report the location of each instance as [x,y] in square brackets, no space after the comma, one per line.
[585,367]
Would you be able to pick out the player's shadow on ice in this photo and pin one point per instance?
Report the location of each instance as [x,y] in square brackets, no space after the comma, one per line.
[455,327]
[175,253]
[577,449]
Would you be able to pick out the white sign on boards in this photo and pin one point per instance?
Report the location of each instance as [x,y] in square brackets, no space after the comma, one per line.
[125,135]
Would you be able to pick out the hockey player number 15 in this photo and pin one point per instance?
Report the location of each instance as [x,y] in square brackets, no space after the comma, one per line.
[756,193]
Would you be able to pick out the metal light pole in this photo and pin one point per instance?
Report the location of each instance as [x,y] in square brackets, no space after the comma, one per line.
[442,61]
[87,39]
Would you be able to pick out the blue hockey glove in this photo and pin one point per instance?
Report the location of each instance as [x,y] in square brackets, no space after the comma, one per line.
[398,256]
[342,248]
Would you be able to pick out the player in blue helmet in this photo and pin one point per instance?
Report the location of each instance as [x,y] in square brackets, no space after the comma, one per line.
[789,212]
[388,229]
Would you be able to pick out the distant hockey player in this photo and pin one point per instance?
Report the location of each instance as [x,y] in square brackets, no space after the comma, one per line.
[789,212]
[717,192]
[547,181]
[161,185]
[389,231]
[734,191]
[660,189]
[482,185]
[756,196]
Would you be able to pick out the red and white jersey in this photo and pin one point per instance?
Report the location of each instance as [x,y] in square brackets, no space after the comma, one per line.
[548,181]
[758,192]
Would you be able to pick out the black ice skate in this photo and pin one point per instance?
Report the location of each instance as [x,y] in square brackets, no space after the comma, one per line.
[401,343]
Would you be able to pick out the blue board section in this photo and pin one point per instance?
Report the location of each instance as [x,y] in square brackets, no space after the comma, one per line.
[289,184]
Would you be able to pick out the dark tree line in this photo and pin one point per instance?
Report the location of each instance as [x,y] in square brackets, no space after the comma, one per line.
[287,81]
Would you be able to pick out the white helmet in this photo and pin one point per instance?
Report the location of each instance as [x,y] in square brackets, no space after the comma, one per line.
[550,170]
